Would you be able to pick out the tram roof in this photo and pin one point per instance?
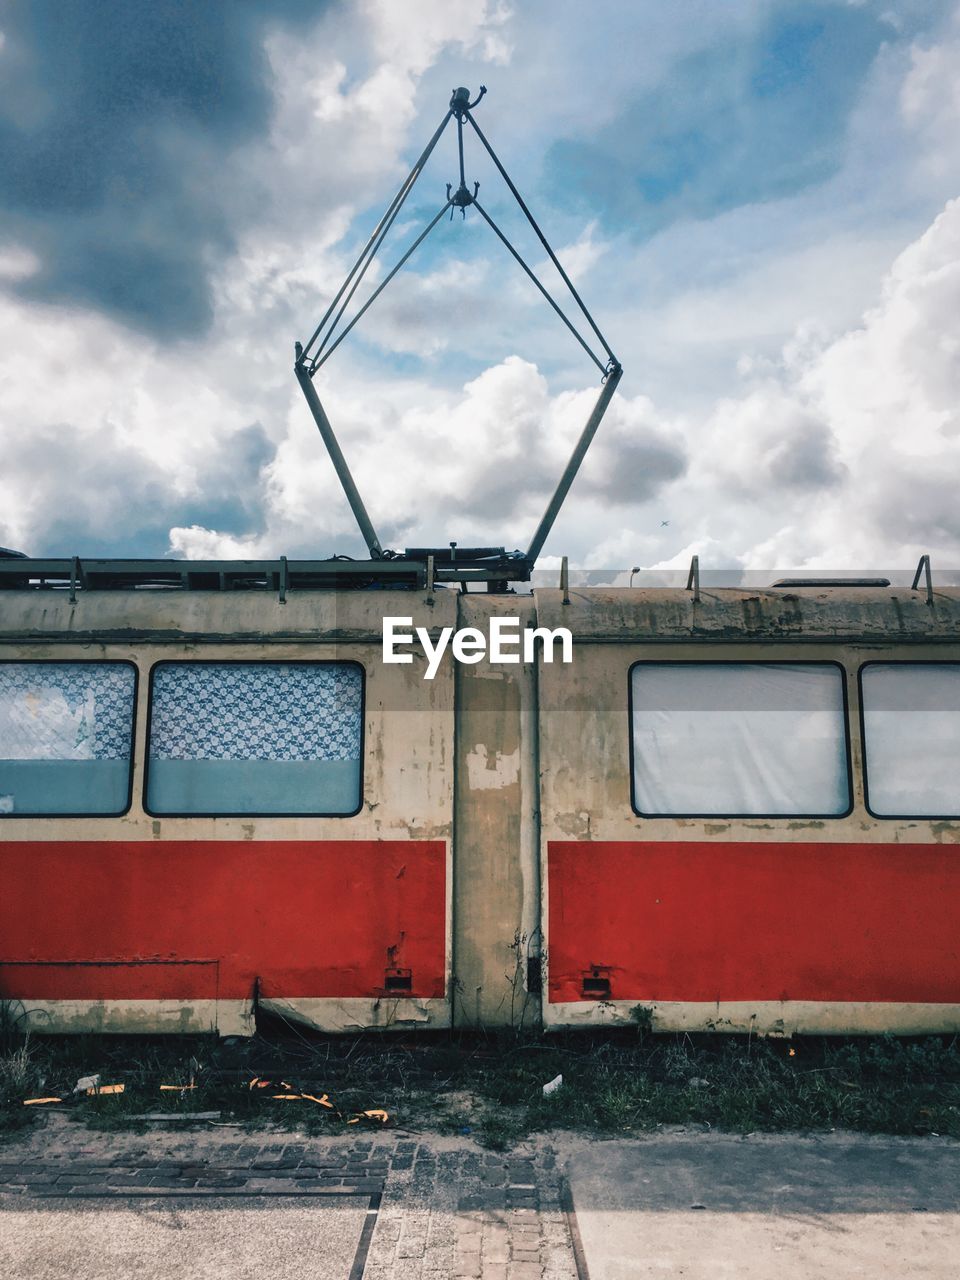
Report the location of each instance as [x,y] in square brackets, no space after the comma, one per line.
[115,601]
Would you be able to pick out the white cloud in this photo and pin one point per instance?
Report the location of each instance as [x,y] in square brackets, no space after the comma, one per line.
[577,258]
[17,263]
[840,455]
[930,103]
[477,466]
[707,549]
[414,33]
[196,543]
[835,445]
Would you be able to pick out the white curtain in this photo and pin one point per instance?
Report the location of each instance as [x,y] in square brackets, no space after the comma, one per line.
[911,721]
[739,738]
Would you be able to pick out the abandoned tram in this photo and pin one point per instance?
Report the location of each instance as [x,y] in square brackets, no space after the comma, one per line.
[733,809]
[730,809]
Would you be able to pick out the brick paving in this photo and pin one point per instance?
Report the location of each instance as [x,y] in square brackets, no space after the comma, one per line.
[447,1208]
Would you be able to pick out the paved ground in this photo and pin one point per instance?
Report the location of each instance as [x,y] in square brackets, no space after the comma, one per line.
[392,1206]
[184,1239]
[719,1206]
[439,1207]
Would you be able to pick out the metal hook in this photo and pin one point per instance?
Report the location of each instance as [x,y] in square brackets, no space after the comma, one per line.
[460,102]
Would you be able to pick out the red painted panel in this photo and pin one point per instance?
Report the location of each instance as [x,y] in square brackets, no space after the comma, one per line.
[309,918]
[786,921]
[108,980]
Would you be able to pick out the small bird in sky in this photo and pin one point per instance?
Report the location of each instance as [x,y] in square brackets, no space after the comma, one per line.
[664,523]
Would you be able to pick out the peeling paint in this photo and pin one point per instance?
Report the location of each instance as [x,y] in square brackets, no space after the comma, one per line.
[777,1019]
[356,1015]
[491,770]
[574,824]
[140,1017]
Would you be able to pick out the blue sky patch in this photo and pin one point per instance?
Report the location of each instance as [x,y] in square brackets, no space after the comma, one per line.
[754,119]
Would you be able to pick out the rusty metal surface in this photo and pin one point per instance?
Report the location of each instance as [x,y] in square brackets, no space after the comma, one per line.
[212,617]
[886,615]
[594,614]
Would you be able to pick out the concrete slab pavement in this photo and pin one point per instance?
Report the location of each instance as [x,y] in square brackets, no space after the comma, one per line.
[183,1238]
[713,1205]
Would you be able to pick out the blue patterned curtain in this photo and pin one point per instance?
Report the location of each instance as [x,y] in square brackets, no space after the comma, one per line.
[255,738]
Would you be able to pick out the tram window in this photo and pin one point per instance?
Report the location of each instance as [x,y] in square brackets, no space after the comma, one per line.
[738,739]
[255,738]
[911,738]
[66,731]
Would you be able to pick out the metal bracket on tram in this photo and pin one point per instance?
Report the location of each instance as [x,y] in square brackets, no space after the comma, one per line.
[495,566]
[283,581]
[693,579]
[76,573]
[924,568]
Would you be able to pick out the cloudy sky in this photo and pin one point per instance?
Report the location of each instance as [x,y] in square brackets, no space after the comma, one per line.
[757,200]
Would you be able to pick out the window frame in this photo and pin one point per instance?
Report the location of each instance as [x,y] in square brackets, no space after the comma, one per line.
[131,758]
[246,662]
[754,662]
[895,662]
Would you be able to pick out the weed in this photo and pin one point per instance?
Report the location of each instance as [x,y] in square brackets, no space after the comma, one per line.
[491,1084]
[13,1025]
[19,1075]
[642,1017]
[16,1070]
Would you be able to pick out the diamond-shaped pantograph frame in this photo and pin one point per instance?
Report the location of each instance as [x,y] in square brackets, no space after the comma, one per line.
[326,338]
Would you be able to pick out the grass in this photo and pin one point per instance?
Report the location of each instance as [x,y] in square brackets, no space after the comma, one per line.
[492,1086]
[19,1074]
[879,1085]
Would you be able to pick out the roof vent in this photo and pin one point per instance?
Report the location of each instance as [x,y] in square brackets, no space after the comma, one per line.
[832,582]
